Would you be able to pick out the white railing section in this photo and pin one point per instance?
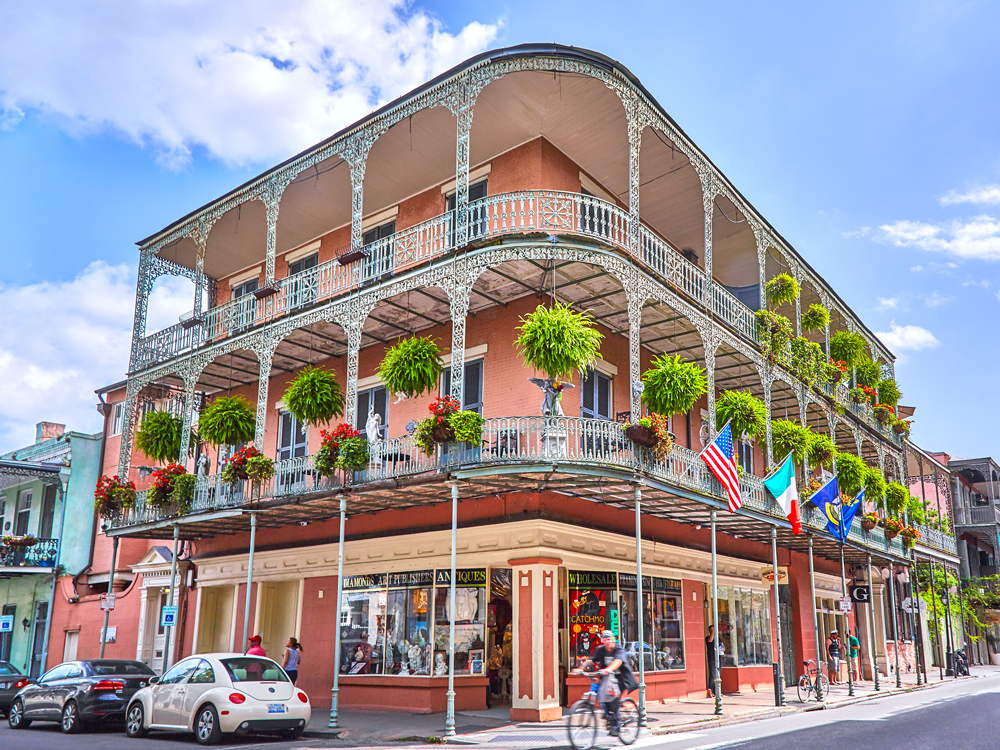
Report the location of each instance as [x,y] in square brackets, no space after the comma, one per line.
[729,308]
[937,539]
[671,265]
[974,516]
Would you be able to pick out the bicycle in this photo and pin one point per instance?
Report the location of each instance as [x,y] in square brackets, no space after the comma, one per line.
[807,682]
[581,723]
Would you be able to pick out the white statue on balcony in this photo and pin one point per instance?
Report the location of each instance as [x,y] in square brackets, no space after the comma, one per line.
[373,425]
[552,388]
[204,465]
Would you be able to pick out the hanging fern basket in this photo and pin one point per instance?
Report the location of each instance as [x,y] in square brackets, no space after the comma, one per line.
[159,436]
[558,340]
[412,367]
[314,397]
[672,386]
[228,420]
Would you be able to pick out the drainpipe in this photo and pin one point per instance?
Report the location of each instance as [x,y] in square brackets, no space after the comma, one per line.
[64,474]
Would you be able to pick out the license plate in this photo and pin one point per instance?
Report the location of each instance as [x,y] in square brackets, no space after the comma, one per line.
[4,685]
[276,708]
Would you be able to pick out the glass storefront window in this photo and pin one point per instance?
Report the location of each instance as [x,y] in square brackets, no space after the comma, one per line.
[362,621]
[668,632]
[744,627]
[593,607]
[409,649]
[470,621]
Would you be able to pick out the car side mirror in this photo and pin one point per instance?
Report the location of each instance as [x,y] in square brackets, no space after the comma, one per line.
[153,680]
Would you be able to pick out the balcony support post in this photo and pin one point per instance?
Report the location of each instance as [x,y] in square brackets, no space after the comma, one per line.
[190,381]
[272,203]
[895,621]
[636,124]
[915,600]
[246,602]
[709,189]
[353,331]
[920,625]
[335,692]
[449,722]
[173,598]
[458,289]
[819,645]
[767,382]
[937,623]
[961,620]
[777,617]
[463,116]
[717,682]
[64,475]
[111,589]
[847,627]
[871,624]
[641,606]
[144,286]
[201,241]
[636,300]
[265,354]
[710,343]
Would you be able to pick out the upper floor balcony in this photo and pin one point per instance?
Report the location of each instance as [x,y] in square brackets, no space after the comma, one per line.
[19,558]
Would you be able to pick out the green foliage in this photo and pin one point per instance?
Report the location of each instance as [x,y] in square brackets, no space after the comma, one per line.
[424,437]
[775,334]
[788,437]
[915,508]
[868,373]
[808,361]
[745,412]
[557,340]
[816,318]
[468,426]
[848,347]
[781,289]
[228,420]
[820,449]
[672,386]
[874,486]
[851,473]
[352,454]
[182,493]
[896,498]
[888,392]
[412,366]
[159,436]
[314,396]
[259,468]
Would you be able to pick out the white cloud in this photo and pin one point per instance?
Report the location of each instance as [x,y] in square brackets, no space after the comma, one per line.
[887,304]
[907,338]
[944,269]
[975,238]
[79,339]
[935,299]
[249,82]
[984,283]
[986,195]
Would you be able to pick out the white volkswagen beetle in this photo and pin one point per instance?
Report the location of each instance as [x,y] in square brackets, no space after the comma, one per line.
[214,694]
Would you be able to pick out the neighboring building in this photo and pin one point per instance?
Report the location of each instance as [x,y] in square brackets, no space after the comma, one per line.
[459,226]
[34,480]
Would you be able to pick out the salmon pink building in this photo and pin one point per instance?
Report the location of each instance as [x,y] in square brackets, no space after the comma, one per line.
[483,573]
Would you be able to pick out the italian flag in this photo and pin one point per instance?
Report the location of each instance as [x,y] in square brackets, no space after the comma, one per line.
[781,484]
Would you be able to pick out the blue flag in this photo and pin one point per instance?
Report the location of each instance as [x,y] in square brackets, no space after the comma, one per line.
[827,499]
[847,512]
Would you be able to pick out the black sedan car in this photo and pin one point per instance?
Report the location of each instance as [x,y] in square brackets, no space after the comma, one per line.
[11,680]
[79,692]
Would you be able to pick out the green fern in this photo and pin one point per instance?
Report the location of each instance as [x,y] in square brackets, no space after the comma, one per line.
[228,420]
[672,386]
[851,473]
[412,366]
[874,486]
[896,497]
[775,333]
[816,318]
[788,437]
[159,436]
[888,392]
[557,340]
[781,289]
[848,347]
[745,413]
[314,396]
[867,372]
[820,450]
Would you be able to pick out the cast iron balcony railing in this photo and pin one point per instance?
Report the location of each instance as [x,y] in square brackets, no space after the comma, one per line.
[984,515]
[507,442]
[42,554]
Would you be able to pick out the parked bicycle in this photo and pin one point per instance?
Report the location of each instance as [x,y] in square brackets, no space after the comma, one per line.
[582,721]
[809,680]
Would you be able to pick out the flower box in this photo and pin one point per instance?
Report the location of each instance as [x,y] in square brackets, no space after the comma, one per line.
[350,256]
[891,533]
[20,541]
[899,428]
[868,524]
[640,435]
[443,433]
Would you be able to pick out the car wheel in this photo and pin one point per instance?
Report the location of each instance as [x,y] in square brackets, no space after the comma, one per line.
[134,720]
[15,716]
[291,734]
[70,722]
[206,727]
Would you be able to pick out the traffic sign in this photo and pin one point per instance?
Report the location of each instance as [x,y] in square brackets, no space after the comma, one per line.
[168,616]
[6,623]
[860,593]
[846,605]
[108,601]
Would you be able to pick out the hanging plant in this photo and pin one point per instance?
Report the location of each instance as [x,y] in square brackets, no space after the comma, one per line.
[850,473]
[314,397]
[746,413]
[353,454]
[884,413]
[411,367]
[788,437]
[835,371]
[860,395]
[867,372]
[816,318]
[808,361]
[228,420]
[848,347]
[915,509]
[163,485]
[820,450]
[259,468]
[892,527]
[236,468]
[874,486]
[781,289]
[468,426]
[159,436]
[774,332]
[558,340]
[325,460]
[651,432]
[896,497]
[901,427]
[112,495]
[182,496]
[888,392]
[672,386]
[909,535]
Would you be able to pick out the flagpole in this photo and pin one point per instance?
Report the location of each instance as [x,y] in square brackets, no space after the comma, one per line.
[717,682]
[717,432]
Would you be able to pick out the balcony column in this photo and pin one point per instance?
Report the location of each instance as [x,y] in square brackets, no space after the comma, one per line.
[201,241]
[272,202]
[264,354]
[798,304]
[190,381]
[758,234]
[144,286]
[710,344]
[458,290]
[636,125]
[636,300]
[709,189]
[767,381]
[132,389]
[463,116]
[353,331]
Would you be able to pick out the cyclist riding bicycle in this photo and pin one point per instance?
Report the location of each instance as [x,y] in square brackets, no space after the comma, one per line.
[610,659]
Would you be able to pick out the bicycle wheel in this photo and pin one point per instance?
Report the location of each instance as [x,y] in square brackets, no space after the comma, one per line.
[824,683]
[804,689]
[628,727]
[581,726]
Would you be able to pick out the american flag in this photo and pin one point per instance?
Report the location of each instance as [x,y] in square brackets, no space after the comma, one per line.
[721,459]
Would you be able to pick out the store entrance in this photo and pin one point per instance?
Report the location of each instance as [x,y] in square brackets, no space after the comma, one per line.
[499,614]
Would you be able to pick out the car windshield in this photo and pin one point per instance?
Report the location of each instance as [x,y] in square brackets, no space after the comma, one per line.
[6,668]
[120,667]
[254,669]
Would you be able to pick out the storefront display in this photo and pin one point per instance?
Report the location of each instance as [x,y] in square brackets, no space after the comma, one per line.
[593,598]
[409,649]
[668,631]
[362,621]
[744,627]
[470,619]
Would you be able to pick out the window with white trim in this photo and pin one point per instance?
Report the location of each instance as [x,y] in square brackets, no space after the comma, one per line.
[118,419]
[472,394]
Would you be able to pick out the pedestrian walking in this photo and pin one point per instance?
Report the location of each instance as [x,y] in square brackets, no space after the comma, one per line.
[833,654]
[853,644]
[290,661]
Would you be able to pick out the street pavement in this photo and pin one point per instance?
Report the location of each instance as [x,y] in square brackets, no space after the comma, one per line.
[957,715]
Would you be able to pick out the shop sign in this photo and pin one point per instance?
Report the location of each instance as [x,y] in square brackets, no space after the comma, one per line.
[667,585]
[614,621]
[860,593]
[410,579]
[468,577]
[626,582]
[362,582]
[767,576]
[594,579]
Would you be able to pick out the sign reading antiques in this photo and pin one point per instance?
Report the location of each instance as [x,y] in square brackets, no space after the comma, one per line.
[463,577]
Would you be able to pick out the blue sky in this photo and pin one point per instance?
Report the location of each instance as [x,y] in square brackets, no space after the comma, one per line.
[865,133]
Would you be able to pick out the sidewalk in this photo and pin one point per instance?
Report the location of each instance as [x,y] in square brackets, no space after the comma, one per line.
[494,726]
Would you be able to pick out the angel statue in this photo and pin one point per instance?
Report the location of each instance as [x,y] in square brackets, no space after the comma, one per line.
[552,388]
[373,425]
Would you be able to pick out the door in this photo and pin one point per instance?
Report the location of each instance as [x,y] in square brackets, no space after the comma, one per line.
[372,399]
[244,305]
[155,636]
[38,639]
[60,689]
[48,513]
[37,698]
[379,255]
[23,513]
[69,645]
[279,608]
[478,216]
[168,694]
[215,619]
[200,682]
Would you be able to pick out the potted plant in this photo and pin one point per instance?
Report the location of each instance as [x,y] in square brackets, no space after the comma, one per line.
[875,486]
[819,449]
[848,347]
[228,420]
[325,460]
[411,367]
[850,473]
[884,413]
[745,413]
[816,318]
[182,495]
[888,392]
[896,498]
[247,463]
[789,437]
[869,521]
[160,496]
[808,361]
[447,424]
[19,541]
[835,371]
[651,432]
[782,289]
[112,494]
[314,397]
[557,340]
[892,527]
[910,536]
[901,427]
[353,454]
[859,395]
[867,372]
[159,436]
[672,386]
[808,487]
[775,334]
